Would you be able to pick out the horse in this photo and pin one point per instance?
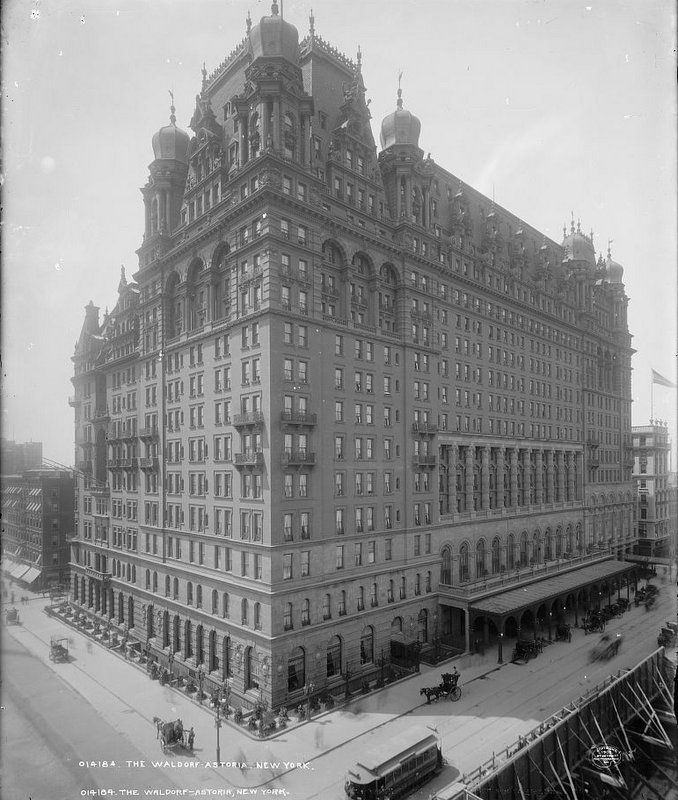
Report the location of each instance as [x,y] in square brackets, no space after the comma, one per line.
[431,691]
[168,732]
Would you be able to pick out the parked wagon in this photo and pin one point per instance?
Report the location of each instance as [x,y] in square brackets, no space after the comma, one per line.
[58,649]
[526,649]
[12,617]
[173,735]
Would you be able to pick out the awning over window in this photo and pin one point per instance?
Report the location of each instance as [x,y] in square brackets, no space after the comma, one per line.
[550,587]
[32,575]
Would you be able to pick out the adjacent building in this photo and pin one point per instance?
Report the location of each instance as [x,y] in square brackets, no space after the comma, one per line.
[344,395]
[15,457]
[37,526]
[657,522]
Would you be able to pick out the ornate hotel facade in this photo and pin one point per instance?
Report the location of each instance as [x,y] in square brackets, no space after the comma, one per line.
[343,394]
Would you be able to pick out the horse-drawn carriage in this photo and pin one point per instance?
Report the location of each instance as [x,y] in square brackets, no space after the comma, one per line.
[12,617]
[173,735]
[526,649]
[593,622]
[563,632]
[607,647]
[58,649]
[448,687]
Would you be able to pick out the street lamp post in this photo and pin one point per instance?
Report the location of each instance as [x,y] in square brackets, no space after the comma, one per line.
[500,660]
[217,725]
[550,631]
[309,689]
[170,659]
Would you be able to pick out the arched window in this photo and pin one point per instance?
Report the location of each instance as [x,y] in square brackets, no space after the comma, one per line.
[148,578]
[255,135]
[244,611]
[257,616]
[198,596]
[327,607]
[306,612]
[403,588]
[189,594]
[511,552]
[155,581]
[342,603]
[463,562]
[367,645]
[287,618]
[422,626]
[296,670]
[215,601]
[496,555]
[167,585]
[188,644]
[446,567]
[480,559]
[252,667]
[334,657]
[175,594]
[389,595]
[536,547]
[428,580]
[225,605]
[523,549]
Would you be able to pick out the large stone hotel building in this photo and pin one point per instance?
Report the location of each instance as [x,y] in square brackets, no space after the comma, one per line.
[345,396]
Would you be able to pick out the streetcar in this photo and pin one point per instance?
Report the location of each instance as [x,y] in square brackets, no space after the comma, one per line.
[395,767]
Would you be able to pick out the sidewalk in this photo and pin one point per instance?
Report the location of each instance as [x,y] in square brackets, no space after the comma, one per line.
[128,699]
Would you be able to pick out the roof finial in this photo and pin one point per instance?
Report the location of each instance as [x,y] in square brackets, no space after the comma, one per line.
[572,222]
[359,58]
[609,250]
[311,23]
[173,119]
[204,75]
[591,236]
[400,91]
[564,230]
[248,21]
[578,226]
[274,8]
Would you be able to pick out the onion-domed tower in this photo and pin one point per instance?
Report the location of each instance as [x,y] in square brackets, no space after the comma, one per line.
[164,191]
[400,127]
[407,175]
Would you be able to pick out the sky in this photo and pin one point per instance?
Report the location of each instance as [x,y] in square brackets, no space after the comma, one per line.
[555,106]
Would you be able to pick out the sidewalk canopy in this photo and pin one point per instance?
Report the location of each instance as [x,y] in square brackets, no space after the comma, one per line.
[32,575]
[552,586]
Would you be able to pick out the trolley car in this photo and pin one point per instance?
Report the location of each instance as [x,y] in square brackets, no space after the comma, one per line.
[396,767]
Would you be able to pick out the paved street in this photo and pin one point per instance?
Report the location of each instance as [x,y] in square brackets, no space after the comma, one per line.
[498,704]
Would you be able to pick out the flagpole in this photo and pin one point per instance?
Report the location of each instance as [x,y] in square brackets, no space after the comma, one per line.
[651,398]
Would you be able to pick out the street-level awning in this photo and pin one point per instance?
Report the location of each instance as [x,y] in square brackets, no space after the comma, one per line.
[19,570]
[550,587]
[32,575]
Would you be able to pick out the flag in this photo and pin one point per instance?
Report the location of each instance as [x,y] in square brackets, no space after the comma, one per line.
[661,380]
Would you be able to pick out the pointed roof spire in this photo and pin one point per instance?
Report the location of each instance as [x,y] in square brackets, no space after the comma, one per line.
[173,119]
[204,76]
[578,226]
[248,21]
[564,230]
[311,23]
[572,223]
[359,58]
[609,250]
[400,91]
